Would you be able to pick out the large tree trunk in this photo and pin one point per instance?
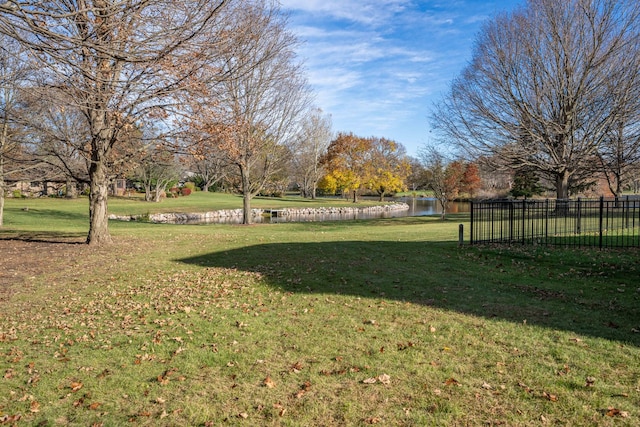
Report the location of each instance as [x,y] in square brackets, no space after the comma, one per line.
[246,196]
[98,212]
[2,186]
[562,185]
[246,209]
[71,191]
[1,194]
[3,139]
[443,204]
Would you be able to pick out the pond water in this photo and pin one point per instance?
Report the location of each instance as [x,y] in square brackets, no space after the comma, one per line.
[417,207]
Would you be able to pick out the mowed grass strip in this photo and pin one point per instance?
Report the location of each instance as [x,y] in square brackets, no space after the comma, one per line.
[383,322]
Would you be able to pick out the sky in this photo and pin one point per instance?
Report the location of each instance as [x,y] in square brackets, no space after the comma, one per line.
[378,66]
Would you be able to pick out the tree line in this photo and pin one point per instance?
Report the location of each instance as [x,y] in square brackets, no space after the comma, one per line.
[552,94]
[93,90]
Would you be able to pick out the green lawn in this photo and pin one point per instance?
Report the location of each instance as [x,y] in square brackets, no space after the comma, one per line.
[383,322]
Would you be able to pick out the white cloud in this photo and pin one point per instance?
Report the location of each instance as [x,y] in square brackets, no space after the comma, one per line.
[376,65]
[362,11]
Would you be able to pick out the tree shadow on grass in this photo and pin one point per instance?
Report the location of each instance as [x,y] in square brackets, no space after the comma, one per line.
[44,225]
[45,237]
[577,296]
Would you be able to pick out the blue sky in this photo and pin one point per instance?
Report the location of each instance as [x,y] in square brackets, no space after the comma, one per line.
[378,66]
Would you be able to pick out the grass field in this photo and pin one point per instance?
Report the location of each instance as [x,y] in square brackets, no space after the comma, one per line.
[383,322]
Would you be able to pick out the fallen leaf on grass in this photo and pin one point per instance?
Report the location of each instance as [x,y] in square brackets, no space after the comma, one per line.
[525,387]
[402,346]
[615,412]
[103,374]
[296,368]
[34,406]
[590,381]
[451,381]
[164,377]
[268,382]
[305,387]
[383,378]
[565,370]
[76,385]
[6,419]
[550,397]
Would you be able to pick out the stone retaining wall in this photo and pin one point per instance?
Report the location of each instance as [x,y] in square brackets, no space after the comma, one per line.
[183,218]
[342,210]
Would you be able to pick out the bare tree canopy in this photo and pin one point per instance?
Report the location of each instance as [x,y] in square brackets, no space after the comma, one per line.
[117,61]
[14,74]
[251,115]
[308,147]
[546,86]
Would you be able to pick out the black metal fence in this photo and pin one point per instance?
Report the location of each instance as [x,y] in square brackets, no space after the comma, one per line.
[581,222]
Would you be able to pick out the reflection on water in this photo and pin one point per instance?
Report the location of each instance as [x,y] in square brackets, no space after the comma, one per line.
[417,207]
[429,206]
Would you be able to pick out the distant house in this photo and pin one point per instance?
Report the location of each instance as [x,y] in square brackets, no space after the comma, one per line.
[118,187]
[39,182]
[36,188]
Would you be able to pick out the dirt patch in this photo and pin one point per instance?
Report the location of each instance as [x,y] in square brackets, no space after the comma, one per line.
[22,260]
[25,261]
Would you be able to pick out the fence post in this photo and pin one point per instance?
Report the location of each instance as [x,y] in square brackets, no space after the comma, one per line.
[524,201]
[510,205]
[460,234]
[625,212]
[578,216]
[601,215]
[546,221]
[471,226]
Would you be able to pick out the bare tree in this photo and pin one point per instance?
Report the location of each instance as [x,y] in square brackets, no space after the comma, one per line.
[307,149]
[619,154]
[435,175]
[157,168]
[254,111]
[13,74]
[118,60]
[59,135]
[536,93]
[209,168]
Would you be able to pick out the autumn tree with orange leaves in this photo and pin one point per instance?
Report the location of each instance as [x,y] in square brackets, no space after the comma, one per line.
[347,163]
[390,167]
[354,164]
